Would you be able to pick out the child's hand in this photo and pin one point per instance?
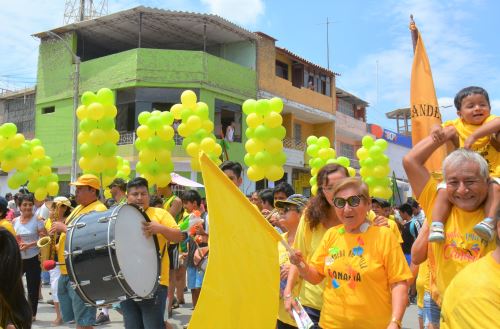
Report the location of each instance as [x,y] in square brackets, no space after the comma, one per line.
[469,142]
[438,135]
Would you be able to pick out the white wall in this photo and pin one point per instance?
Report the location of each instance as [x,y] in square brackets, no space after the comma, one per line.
[395,154]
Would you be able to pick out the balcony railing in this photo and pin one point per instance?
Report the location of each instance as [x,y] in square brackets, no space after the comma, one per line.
[294,144]
[128,137]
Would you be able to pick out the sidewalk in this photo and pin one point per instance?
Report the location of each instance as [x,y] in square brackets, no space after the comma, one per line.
[46,315]
[181,315]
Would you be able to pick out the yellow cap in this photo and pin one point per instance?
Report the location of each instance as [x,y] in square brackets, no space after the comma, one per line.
[87,180]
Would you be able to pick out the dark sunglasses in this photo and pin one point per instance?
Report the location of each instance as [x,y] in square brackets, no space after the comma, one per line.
[353,201]
[287,209]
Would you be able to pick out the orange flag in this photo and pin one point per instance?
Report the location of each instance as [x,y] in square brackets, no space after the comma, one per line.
[423,102]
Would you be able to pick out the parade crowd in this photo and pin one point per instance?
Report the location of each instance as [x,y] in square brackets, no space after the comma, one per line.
[357,261]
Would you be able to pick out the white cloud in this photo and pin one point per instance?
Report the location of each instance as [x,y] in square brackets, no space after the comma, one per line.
[244,12]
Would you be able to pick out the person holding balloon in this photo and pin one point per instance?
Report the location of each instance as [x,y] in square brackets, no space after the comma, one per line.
[363,264]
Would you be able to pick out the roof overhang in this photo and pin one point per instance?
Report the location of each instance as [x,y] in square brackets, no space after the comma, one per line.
[157,27]
[399,113]
[350,98]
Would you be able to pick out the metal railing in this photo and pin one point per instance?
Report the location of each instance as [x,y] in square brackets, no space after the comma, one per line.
[294,144]
[128,137]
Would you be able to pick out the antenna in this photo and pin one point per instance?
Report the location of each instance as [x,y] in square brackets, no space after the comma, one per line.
[327,45]
[81,10]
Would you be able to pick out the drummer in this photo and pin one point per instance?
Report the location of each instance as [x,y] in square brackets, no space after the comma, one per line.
[73,308]
[148,313]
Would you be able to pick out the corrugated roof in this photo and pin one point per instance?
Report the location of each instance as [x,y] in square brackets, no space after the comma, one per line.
[301,59]
[342,94]
[399,113]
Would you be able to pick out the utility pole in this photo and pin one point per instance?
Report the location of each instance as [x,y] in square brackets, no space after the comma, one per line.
[327,44]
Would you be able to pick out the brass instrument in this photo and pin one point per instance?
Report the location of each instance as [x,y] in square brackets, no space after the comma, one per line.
[47,244]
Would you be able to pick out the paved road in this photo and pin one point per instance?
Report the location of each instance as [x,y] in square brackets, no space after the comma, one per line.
[180,316]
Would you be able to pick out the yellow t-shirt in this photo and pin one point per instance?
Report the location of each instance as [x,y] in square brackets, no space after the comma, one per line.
[482,145]
[163,217]
[392,226]
[8,226]
[422,282]
[307,242]
[473,297]
[359,269]
[283,315]
[461,246]
[80,210]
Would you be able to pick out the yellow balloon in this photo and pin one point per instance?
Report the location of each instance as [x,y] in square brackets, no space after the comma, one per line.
[163,179]
[164,156]
[184,130]
[314,171]
[253,120]
[144,132]
[96,111]
[107,180]
[52,188]
[166,133]
[255,173]
[146,156]
[113,136]
[22,162]
[40,193]
[176,111]
[110,111]
[194,122]
[45,171]
[192,149]
[97,137]
[83,137]
[16,141]
[274,145]
[207,145]
[351,171]
[82,112]
[107,193]
[38,152]
[217,150]
[253,146]
[208,125]
[273,120]
[7,165]
[97,163]
[188,98]
[314,189]
[84,163]
[274,173]
[110,163]
[195,164]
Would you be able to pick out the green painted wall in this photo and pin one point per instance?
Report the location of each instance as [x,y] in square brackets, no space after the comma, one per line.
[214,76]
[243,53]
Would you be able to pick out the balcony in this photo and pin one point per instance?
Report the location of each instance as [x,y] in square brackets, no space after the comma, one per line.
[349,127]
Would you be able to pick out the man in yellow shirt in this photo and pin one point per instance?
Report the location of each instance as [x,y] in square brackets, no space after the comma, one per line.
[466,176]
[471,300]
[148,313]
[72,306]
[3,212]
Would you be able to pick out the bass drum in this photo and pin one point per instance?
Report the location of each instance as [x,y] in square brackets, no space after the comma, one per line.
[108,257]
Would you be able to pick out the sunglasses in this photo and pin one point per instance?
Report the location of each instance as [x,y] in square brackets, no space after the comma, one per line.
[287,209]
[353,201]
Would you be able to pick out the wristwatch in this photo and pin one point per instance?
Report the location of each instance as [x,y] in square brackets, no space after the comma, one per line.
[396,321]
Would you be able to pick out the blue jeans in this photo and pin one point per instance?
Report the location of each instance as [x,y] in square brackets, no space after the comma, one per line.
[432,311]
[72,306]
[146,313]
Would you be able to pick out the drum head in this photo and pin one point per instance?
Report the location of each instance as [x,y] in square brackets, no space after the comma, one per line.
[137,255]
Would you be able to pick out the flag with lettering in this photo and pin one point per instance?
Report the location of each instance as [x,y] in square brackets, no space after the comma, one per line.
[241,284]
[423,102]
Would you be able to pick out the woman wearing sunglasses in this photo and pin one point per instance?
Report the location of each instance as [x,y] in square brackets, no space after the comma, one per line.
[363,264]
[318,217]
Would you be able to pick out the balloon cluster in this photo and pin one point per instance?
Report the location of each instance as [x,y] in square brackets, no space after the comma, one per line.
[30,162]
[13,152]
[98,136]
[155,144]
[123,168]
[322,154]
[265,156]
[375,167]
[196,128]
[41,179]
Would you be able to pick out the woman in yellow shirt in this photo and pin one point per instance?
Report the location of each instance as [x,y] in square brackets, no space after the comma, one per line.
[3,213]
[363,264]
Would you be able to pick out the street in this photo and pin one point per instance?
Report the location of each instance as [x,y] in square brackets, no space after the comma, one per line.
[181,315]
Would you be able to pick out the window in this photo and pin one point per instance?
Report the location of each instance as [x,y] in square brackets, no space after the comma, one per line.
[345,107]
[162,106]
[297,132]
[227,114]
[347,150]
[125,117]
[282,70]
[47,110]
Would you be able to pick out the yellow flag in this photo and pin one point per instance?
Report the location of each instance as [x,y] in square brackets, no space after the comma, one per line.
[424,106]
[241,284]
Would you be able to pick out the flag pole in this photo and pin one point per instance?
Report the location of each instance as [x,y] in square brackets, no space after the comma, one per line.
[414,32]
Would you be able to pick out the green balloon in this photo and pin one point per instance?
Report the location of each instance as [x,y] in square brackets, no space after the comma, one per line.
[9,129]
[108,149]
[143,117]
[105,96]
[312,150]
[32,185]
[53,178]
[88,125]
[370,181]
[109,172]
[140,144]
[250,133]
[154,168]
[88,98]
[249,160]
[9,154]
[154,122]
[383,160]
[263,158]
[139,167]
[312,140]
[185,114]
[106,123]
[313,181]
[47,161]
[88,150]
[262,132]
[13,183]
[42,181]
[276,104]
[36,164]
[375,151]
[167,118]
[343,161]
[367,141]
[369,162]
[323,142]
[154,143]
[280,159]
[263,107]
[200,134]
[202,110]
[318,163]
[249,106]
[170,144]
[35,142]
[382,143]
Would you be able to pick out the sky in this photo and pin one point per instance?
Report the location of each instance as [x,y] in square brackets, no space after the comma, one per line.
[369,41]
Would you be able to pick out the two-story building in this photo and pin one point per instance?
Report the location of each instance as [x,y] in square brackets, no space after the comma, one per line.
[148,57]
[308,93]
